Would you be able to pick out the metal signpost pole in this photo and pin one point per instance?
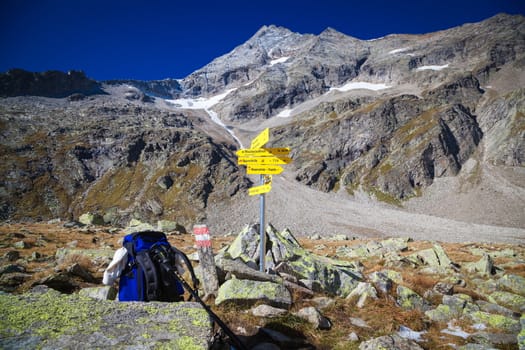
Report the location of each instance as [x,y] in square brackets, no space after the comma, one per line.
[264,162]
[262,229]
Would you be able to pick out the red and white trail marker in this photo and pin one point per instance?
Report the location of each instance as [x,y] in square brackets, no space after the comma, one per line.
[202,235]
[206,260]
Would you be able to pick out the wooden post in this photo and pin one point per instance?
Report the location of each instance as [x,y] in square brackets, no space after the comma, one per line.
[210,281]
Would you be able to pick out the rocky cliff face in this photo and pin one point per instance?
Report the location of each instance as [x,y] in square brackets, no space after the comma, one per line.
[18,82]
[109,155]
[167,88]
[384,117]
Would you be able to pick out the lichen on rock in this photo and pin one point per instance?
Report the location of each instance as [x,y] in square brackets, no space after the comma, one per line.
[51,320]
[250,292]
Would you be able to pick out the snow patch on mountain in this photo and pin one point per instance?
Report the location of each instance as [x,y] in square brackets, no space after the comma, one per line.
[376,39]
[437,68]
[403,49]
[354,85]
[201,102]
[285,113]
[206,104]
[279,60]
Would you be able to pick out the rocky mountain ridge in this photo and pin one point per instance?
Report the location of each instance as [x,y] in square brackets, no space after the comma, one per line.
[55,84]
[384,118]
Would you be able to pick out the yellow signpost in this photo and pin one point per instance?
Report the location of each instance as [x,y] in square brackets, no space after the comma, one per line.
[263,152]
[264,170]
[259,189]
[264,162]
[261,139]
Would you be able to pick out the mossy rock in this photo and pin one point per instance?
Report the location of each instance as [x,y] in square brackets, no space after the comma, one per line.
[513,301]
[410,300]
[434,257]
[95,255]
[336,277]
[51,320]
[443,313]
[514,283]
[170,226]
[521,335]
[395,276]
[248,293]
[246,245]
[484,266]
[499,322]
[91,219]
[136,225]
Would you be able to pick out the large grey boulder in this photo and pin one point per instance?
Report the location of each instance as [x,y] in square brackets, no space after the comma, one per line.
[485,266]
[97,256]
[514,283]
[434,257]
[285,255]
[502,323]
[312,315]
[247,293]
[362,293]
[91,219]
[268,311]
[50,320]
[410,300]
[453,307]
[513,301]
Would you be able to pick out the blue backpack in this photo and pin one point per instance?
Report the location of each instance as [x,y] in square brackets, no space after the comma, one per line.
[144,278]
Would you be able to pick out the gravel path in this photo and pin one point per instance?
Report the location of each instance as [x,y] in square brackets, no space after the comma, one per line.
[305,212]
[494,211]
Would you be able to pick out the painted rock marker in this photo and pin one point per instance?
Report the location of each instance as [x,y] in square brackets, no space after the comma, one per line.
[206,260]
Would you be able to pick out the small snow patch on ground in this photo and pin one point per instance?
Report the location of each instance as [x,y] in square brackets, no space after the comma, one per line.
[432,67]
[407,333]
[360,85]
[285,113]
[455,331]
[279,60]
[398,50]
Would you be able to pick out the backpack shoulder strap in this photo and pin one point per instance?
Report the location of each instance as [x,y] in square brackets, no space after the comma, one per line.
[128,243]
[151,275]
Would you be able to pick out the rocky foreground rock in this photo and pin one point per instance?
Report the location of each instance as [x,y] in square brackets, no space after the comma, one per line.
[410,291]
[46,319]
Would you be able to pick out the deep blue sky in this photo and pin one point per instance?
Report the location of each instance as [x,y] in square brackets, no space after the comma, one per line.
[157,39]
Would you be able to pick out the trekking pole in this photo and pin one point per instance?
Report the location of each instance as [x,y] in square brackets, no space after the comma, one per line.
[165,265]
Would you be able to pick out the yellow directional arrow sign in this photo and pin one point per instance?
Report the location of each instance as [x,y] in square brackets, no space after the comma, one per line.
[263,152]
[264,169]
[261,139]
[263,160]
[259,189]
